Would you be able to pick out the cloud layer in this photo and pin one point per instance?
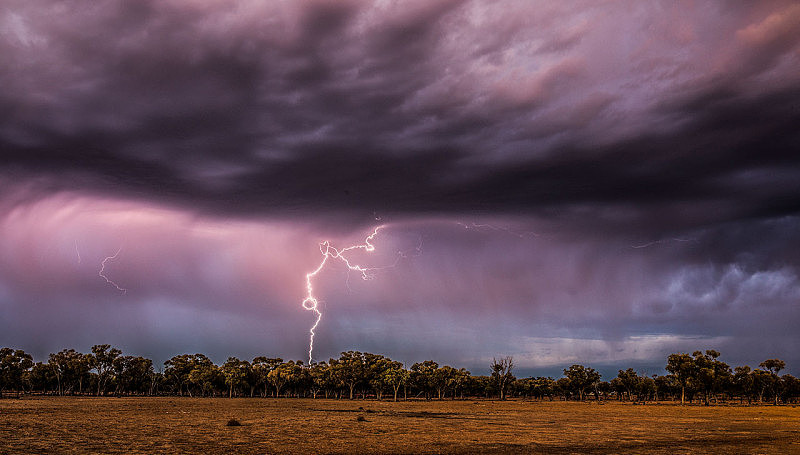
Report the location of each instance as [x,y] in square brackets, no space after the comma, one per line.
[592,171]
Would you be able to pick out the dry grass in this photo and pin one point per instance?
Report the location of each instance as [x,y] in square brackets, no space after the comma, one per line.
[181,425]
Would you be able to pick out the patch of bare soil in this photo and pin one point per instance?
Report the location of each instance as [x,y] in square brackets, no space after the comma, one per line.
[180,425]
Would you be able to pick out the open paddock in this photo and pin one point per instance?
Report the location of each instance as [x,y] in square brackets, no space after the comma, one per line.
[199,425]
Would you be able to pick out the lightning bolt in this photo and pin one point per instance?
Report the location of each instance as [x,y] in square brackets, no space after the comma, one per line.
[103,268]
[329,252]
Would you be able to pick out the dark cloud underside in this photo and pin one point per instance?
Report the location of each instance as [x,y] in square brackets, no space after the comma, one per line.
[447,107]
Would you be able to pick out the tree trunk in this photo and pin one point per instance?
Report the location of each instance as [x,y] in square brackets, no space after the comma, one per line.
[683,394]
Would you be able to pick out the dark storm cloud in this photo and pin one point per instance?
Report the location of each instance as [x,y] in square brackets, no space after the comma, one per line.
[444,107]
[591,181]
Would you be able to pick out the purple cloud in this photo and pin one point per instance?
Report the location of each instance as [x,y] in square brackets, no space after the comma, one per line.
[546,154]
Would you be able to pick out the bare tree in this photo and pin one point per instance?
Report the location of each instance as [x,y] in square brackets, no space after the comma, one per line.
[502,374]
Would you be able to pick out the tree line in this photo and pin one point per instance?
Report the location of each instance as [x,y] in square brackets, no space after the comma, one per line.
[699,377]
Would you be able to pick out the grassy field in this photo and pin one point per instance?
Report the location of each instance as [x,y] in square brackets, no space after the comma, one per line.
[181,425]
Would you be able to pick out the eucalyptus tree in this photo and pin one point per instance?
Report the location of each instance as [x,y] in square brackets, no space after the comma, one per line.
[791,388]
[350,369]
[205,375]
[683,368]
[710,374]
[443,379]
[102,360]
[320,375]
[133,374]
[40,377]
[177,370]
[261,369]
[743,383]
[458,381]
[629,381]
[396,376]
[237,373]
[299,379]
[13,365]
[423,377]
[664,385]
[279,376]
[774,366]
[69,368]
[375,373]
[646,388]
[563,387]
[603,389]
[581,378]
[537,387]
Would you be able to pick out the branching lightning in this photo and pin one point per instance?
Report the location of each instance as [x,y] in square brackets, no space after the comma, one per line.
[311,303]
[103,268]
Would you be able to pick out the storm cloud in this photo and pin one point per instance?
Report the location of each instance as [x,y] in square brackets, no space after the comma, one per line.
[610,174]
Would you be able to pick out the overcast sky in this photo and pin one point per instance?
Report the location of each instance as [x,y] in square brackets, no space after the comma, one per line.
[565,182]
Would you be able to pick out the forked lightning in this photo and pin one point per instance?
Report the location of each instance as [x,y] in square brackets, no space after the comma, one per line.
[103,269]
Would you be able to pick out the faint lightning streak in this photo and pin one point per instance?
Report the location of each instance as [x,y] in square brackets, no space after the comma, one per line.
[311,303]
[77,252]
[401,254]
[103,268]
[492,227]
[657,242]
[405,255]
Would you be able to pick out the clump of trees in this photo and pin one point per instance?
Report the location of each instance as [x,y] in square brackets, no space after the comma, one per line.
[699,377]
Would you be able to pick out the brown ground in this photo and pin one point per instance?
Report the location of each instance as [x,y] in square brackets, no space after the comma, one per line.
[181,425]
